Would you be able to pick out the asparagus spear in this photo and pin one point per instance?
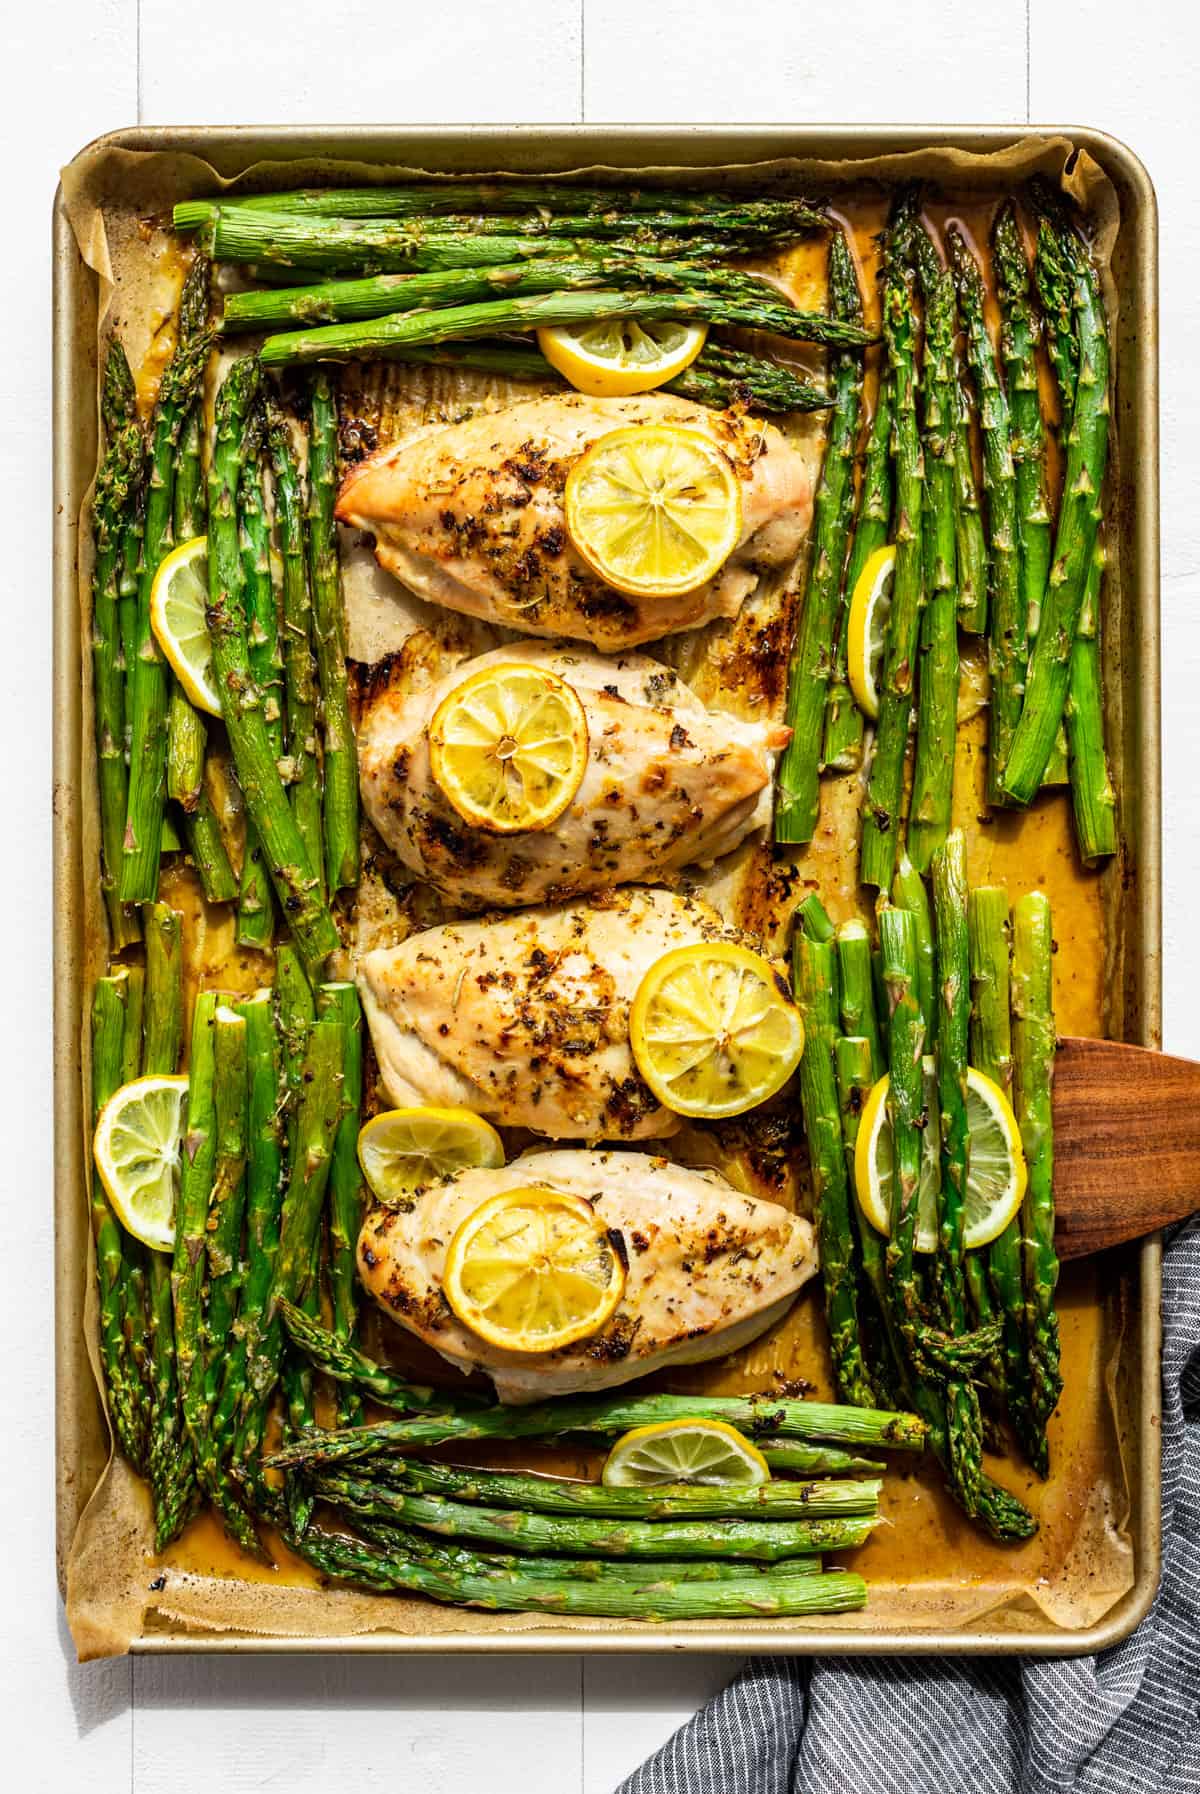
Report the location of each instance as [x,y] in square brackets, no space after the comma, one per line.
[191,1218]
[719,377]
[162,1014]
[1019,335]
[188,503]
[857,994]
[964,1422]
[813,918]
[781,1595]
[657,208]
[1092,791]
[906,1112]
[797,800]
[242,1377]
[377,337]
[970,545]
[766,1541]
[374,246]
[346,1193]
[348,301]
[814,978]
[134,1316]
[1075,541]
[340,760]
[170,1464]
[855,1077]
[346,1364]
[267,807]
[970,550]
[115,497]
[937,695]
[148,686]
[223,1249]
[207,848]
[444,1554]
[186,742]
[118,409]
[189,516]
[555,1495]
[885,789]
[991,1053]
[131,1048]
[954,995]
[843,718]
[813,1460]
[292,1014]
[1018,351]
[300,703]
[123,1393]
[1053,276]
[722,377]
[1008,620]
[256,918]
[316,1124]
[759,1417]
[227,1201]
[1033,1075]
[908,892]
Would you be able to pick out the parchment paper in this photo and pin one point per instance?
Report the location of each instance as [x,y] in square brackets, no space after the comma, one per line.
[926,1565]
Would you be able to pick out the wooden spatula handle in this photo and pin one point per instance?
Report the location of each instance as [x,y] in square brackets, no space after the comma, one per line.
[1126,1143]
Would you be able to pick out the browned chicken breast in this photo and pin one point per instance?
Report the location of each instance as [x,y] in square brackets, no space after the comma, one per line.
[668,784]
[709,1269]
[470,515]
[525,1018]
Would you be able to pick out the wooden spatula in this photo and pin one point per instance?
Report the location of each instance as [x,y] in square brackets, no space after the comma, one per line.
[1126,1143]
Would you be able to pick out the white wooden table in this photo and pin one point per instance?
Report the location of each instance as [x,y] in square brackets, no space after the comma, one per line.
[80,67]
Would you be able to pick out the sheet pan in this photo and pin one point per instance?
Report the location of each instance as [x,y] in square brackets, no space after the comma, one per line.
[82,1443]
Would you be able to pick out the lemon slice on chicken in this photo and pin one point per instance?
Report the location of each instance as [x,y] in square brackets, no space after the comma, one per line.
[996,1173]
[532,1270]
[610,358]
[654,510]
[509,747]
[714,1030]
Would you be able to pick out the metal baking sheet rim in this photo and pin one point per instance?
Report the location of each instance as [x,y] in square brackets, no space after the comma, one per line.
[533,149]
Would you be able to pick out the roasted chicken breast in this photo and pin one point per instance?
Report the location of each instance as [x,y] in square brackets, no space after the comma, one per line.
[525,1018]
[668,784]
[709,1269]
[470,515]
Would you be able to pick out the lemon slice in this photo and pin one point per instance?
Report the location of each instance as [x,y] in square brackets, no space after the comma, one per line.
[866,628]
[611,357]
[532,1270]
[402,1150]
[137,1145]
[509,747]
[179,619]
[714,1030]
[685,1451]
[995,1176]
[654,510]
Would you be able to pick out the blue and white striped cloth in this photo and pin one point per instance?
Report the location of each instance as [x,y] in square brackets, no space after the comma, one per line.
[1125,1722]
